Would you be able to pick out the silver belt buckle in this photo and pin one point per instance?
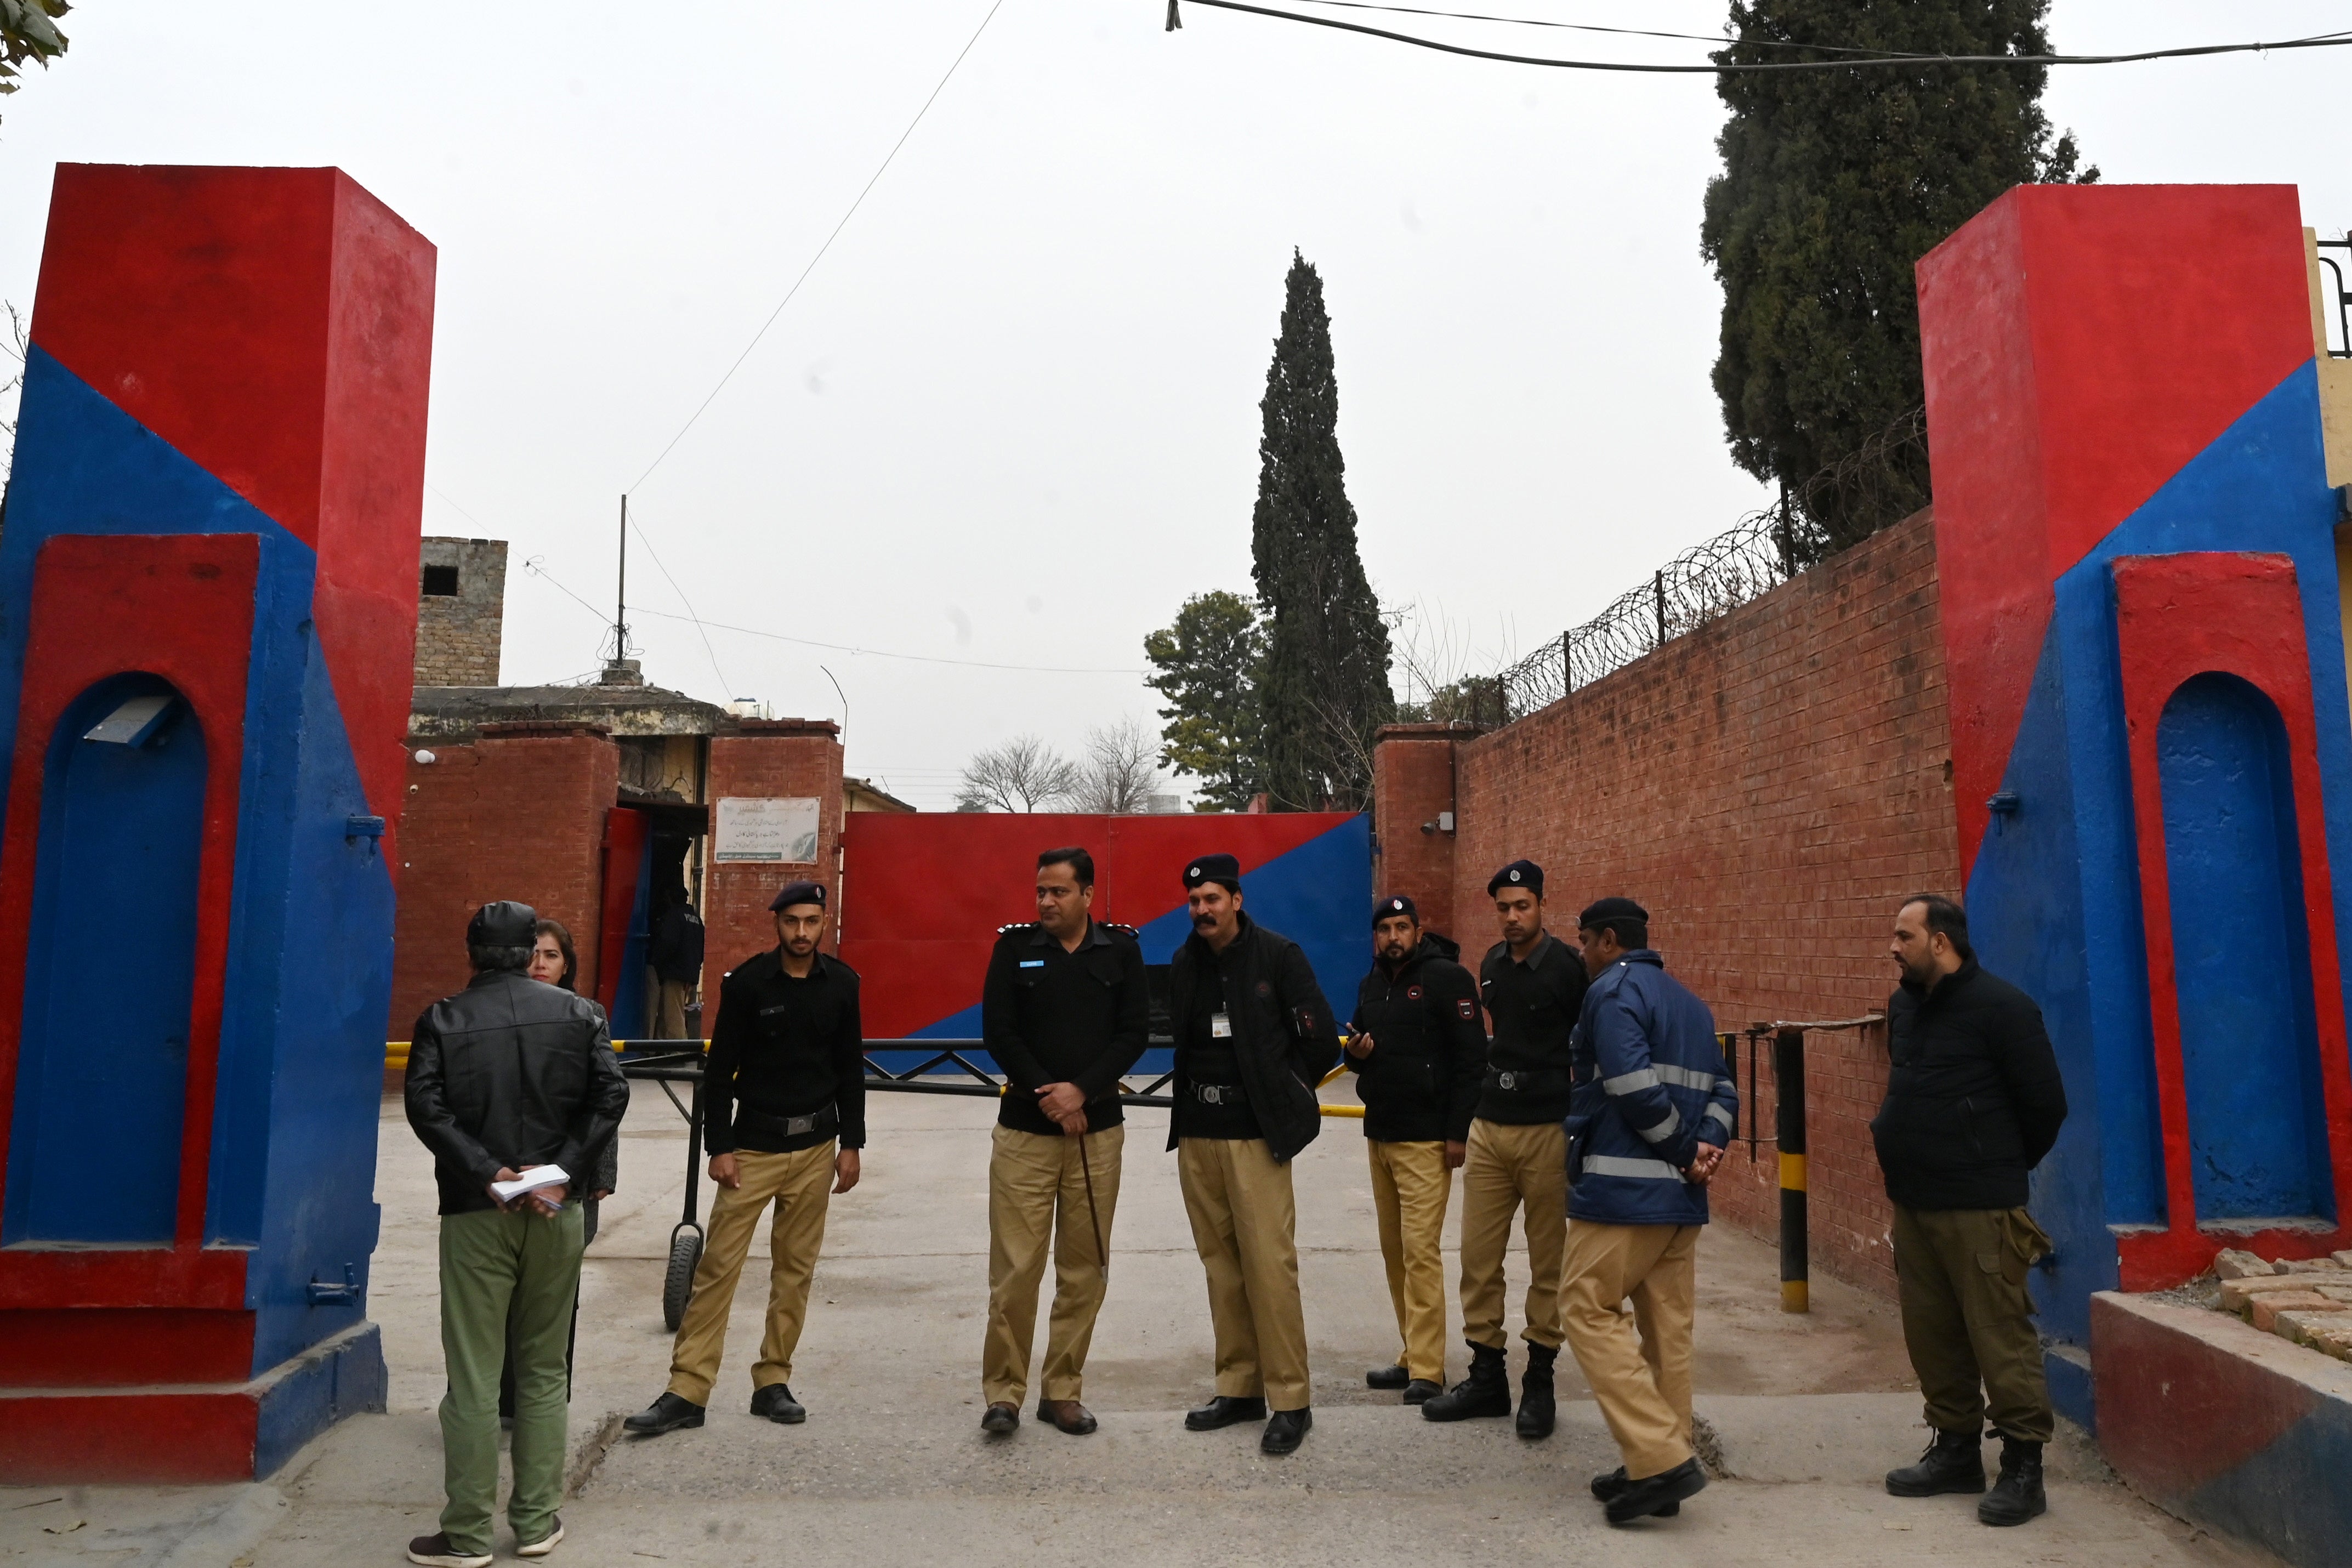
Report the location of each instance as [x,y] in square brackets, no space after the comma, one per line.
[1211,1093]
[1507,1080]
[796,1125]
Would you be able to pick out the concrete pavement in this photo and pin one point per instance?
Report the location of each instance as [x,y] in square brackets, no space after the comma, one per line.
[1807,1411]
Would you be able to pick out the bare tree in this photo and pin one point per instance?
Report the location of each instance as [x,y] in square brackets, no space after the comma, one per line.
[1120,770]
[1023,773]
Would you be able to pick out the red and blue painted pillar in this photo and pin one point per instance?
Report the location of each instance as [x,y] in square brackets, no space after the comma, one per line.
[2151,746]
[207,618]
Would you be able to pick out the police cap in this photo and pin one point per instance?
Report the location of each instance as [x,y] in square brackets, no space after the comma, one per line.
[1611,914]
[1517,874]
[803,892]
[1222,869]
[1395,904]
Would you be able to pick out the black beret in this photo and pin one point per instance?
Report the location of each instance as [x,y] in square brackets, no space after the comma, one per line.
[1213,868]
[1517,874]
[799,893]
[1605,913]
[1393,905]
[503,924]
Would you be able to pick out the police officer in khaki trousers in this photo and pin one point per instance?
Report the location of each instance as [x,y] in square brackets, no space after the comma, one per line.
[1516,1162]
[1252,1038]
[783,1097]
[1065,1012]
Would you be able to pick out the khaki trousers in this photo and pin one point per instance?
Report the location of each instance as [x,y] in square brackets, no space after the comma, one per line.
[1510,1168]
[1639,1371]
[1245,1226]
[1960,1274]
[799,1185]
[1037,1192]
[1410,1186]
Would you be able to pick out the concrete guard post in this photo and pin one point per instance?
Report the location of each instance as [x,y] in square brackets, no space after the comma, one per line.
[2151,747]
[208,588]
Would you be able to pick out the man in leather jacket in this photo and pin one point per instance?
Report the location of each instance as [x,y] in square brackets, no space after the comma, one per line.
[507,1075]
[1252,1037]
[1419,1054]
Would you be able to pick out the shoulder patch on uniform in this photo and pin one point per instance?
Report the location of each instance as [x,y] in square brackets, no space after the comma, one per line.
[1413,993]
[1466,1008]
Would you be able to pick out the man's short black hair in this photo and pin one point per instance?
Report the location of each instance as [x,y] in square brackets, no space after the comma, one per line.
[1946,916]
[1081,864]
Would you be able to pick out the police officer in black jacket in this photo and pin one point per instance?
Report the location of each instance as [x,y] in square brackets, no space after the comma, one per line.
[1533,986]
[1065,1011]
[1418,1052]
[1252,1037]
[1973,1102]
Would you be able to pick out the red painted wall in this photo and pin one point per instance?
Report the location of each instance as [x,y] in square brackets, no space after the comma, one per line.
[798,758]
[1413,783]
[1769,787]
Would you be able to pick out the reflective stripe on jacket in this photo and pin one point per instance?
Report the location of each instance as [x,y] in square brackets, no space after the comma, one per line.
[1650,1087]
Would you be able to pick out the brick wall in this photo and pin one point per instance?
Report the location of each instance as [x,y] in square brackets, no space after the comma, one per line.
[1769,787]
[1412,783]
[519,813]
[768,757]
[459,635]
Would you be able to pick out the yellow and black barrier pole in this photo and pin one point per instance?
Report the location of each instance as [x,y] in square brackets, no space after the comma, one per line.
[1789,1125]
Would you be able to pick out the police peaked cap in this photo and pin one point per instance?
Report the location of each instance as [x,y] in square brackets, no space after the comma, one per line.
[1517,874]
[503,924]
[799,893]
[1222,869]
[1604,913]
[1395,904]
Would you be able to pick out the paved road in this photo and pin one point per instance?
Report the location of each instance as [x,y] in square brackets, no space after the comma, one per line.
[891,1469]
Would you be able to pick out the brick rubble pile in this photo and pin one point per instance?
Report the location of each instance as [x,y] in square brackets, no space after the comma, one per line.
[2305,1300]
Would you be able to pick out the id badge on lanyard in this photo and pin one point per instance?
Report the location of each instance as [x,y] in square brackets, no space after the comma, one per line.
[1221,1026]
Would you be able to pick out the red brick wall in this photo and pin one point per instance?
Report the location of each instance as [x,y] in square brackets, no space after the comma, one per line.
[768,757]
[1769,787]
[518,814]
[1413,783]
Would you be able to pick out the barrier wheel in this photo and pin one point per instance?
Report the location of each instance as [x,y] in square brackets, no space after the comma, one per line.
[678,1285]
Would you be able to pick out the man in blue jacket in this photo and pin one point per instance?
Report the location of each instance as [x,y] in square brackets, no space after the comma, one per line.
[1649,1111]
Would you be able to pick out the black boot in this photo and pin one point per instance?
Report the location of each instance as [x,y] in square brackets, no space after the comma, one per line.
[1485,1392]
[1387,1377]
[1954,1462]
[1421,1391]
[1537,1406]
[2018,1495]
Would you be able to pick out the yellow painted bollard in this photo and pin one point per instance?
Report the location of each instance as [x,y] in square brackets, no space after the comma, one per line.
[1788,1124]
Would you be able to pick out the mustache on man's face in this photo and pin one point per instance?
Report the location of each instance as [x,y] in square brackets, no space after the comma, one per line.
[1205,922]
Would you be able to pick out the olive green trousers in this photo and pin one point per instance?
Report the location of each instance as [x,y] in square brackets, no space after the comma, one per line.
[1968,1321]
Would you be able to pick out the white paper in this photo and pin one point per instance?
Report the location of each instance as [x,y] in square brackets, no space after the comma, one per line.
[781,830]
[532,1178]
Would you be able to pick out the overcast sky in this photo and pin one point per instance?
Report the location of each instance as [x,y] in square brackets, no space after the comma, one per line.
[1011,418]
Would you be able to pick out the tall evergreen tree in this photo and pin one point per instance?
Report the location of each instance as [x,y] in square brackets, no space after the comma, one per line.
[1325,683]
[1833,184]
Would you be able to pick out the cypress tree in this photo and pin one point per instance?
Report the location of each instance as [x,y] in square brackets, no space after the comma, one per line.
[1833,184]
[1324,688]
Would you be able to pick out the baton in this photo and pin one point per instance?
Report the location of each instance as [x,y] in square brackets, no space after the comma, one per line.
[1087,1164]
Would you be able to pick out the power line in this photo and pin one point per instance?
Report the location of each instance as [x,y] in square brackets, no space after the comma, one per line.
[724,684]
[821,249]
[1717,38]
[2322,40]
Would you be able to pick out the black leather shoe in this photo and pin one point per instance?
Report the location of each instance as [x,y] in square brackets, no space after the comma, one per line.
[2018,1495]
[667,1414]
[1421,1391]
[1653,1494]
[1000,1420]
[1954,1462]
[1224,1410]
[1387,1377]
[1285,1431]
[1613,1485]
[776,1403]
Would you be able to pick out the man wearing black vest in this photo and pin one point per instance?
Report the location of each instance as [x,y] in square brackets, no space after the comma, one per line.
[1252,1038]
[1533,985]
[1065,1010]
[1417,1053]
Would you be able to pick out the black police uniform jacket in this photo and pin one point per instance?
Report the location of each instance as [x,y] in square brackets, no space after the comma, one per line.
[1974,1100]
[785,1049]
[511,1072]
[1420,1084]
[1284,1034]
[1051,1014]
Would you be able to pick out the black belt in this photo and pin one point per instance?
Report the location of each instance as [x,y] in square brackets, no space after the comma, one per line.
[759,1122]
[1219,1094]
[1529,1081]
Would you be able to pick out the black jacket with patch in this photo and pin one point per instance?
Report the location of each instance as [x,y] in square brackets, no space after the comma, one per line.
[1974,1100]
[1284,1039]
[1048,1015]
[1421,1082]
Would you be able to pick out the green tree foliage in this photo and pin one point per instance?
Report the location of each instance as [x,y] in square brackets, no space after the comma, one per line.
[1325,685]
[1833,184]
[29,31]
[1207,667]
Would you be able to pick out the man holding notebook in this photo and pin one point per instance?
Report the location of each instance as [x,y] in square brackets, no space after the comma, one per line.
[513,1086]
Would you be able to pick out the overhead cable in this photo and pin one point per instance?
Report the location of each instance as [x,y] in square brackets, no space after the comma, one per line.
[1596,27]
[2323,40]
